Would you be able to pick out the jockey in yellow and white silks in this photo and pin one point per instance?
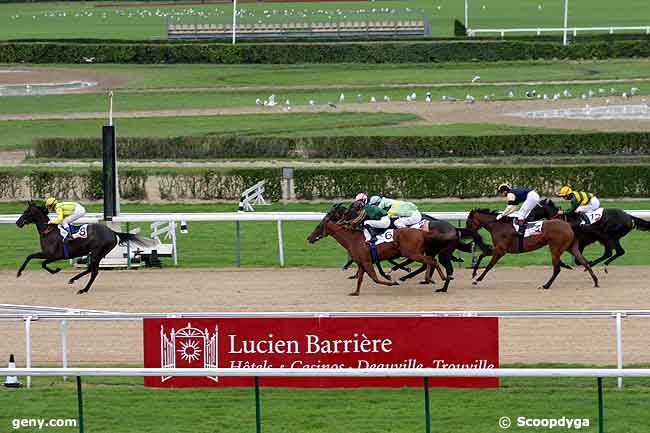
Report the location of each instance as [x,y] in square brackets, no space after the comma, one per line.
[66,213]
[406,212]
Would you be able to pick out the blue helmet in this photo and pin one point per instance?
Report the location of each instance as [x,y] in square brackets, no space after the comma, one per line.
[375,200]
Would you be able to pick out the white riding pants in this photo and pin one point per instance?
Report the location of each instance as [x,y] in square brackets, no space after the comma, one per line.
[79,211]
[592,206]
[382,223]
[404,222]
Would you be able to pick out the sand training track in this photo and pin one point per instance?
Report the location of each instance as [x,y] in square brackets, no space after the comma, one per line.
[522,340]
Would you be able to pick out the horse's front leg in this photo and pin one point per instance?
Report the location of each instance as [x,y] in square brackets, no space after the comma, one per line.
[44,264]
[39,255]
[496,256]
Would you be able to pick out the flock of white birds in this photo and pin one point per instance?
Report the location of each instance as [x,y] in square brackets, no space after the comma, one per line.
[272,101]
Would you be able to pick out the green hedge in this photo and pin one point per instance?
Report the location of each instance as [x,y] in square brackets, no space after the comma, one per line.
[288,53]
[324,183]
[216,147]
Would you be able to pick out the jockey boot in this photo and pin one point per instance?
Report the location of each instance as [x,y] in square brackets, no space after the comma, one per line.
[373,233]
[521,233]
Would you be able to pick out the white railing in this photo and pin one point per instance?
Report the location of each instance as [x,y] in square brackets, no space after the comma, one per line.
[574,30]
[238,217]
[332,372]
[31,314]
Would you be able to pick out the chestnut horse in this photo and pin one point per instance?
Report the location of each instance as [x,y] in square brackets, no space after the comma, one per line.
[557,234]
[409,243]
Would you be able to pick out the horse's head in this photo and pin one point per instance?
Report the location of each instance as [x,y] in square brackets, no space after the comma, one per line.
[477,218]
[550,209]
[33,214]
[334,215]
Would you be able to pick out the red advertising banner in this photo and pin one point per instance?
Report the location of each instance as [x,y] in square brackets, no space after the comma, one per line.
[346,342]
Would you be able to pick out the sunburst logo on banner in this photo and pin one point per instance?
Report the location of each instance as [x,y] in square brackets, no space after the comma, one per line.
[190,350]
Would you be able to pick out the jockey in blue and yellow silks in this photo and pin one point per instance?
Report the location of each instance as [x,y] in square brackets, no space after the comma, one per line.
[66,213]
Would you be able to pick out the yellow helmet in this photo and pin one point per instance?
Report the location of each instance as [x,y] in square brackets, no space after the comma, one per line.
[50,202]
[565,191]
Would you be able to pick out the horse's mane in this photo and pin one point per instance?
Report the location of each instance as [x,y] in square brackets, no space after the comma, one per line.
[40,207]
[484,210]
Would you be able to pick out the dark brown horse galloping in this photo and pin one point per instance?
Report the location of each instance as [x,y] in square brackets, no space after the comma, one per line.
[100,241]
[609,230]
[557,234]
[409,243]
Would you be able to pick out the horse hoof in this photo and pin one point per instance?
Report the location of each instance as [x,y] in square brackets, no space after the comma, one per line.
[70,281]
[394,283]
[352,277]
[18,275]
[605,269]
[474,283]
[349,294]
[441,290]
[427,282]
[81,292]
[57,270]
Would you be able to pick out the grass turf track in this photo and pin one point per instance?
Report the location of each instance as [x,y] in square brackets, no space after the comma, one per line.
[20,134]
[83,20]
[205,99]
[151,77]
[213,244]
[124,405]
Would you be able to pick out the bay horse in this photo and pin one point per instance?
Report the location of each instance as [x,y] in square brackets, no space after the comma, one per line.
[609,230]
[99,242]
[557,234]
[444,250]
[409,243]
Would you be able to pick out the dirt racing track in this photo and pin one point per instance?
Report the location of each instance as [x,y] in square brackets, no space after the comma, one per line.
[321,290]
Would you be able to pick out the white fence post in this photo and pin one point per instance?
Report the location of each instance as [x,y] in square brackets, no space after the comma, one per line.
[280,243]
[619,347]
[28,347]
[64,345]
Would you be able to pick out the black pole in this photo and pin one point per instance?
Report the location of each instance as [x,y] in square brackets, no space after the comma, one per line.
[601,421]
[427,407]
[258,414]
[109,172]
[81,405]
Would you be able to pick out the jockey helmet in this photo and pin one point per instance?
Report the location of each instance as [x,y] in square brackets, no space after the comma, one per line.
[362,196]
[504,187]
[565,191]
[50,203]
[375,200]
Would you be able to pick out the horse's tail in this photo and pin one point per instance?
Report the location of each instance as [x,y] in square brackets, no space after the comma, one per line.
[136,239]
[476,238]
[641,224]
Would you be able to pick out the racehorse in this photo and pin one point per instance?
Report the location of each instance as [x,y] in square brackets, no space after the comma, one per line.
[557,234]
[99,242]
[409,243]
[609,230]
[442,249]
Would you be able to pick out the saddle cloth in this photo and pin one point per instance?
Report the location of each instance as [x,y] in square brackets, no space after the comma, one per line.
[595,216]
[80,232]
[532,229]
[422,225]
[386,236]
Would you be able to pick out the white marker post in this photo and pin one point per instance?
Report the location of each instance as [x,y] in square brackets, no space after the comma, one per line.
[466,14]
[234,21]
[566,20]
